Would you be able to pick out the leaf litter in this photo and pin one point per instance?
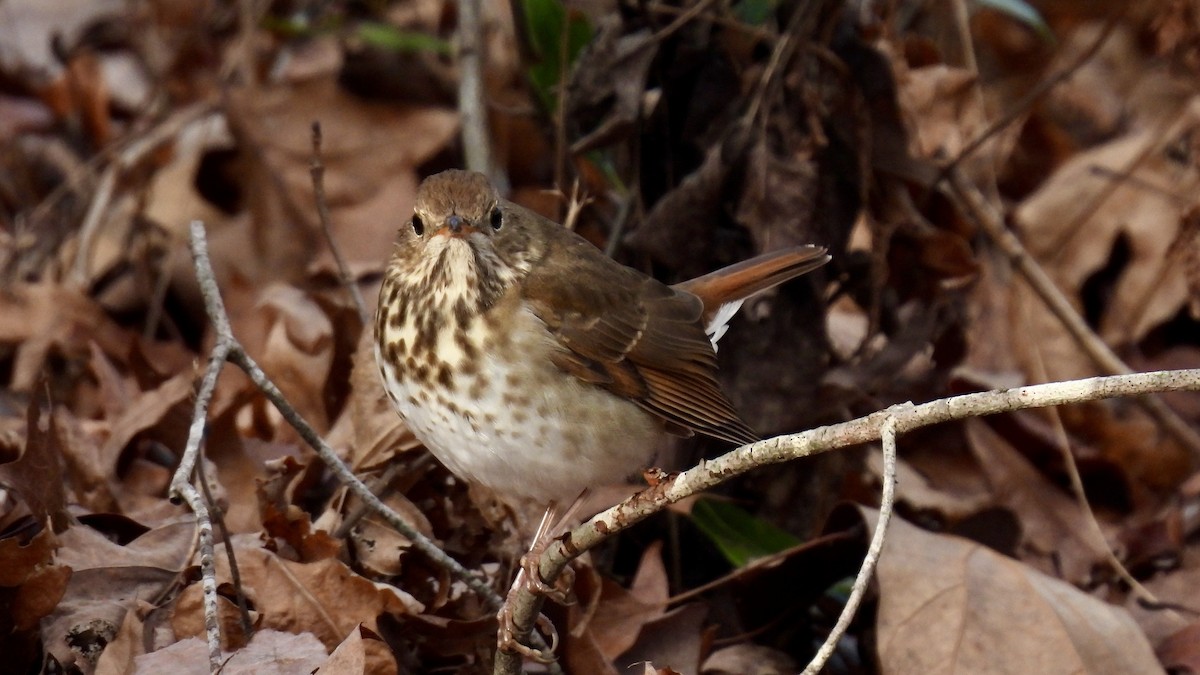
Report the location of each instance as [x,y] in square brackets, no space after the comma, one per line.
[102,333]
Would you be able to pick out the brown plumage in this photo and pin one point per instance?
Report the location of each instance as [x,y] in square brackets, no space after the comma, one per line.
[527,360]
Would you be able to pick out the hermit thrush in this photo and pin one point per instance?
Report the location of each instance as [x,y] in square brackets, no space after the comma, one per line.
[528,361]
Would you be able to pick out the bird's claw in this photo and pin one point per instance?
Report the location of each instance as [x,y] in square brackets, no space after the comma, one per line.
[507,641]
[559,591]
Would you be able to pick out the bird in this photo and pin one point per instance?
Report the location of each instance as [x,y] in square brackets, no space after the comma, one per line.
[528,361]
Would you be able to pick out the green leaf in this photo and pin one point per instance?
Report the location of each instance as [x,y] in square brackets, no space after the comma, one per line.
[740,536]
[556,37]
[1023,12]
[389,37]
[754,12]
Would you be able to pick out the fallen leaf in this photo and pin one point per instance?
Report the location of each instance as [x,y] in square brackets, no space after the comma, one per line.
[271,652]
[107,580]
[675,640]
[622,614]
[348,658]
[38,474]
[1180,653]
[1055,536]
[1074,221]
[948,605]
[324,598]
[748,659]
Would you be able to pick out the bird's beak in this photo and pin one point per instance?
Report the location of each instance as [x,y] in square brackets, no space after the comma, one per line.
[457,227]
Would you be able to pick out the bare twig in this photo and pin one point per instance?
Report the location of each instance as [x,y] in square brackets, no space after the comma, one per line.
[785,47]
[560,107]
[1063,443]
[125,160]
[886,503]
[182,488]
[1026,102]
[472,101]
[316,169]
[624,208]
[715,19]
[235,575]
[228,348]
[526,605]
[972,204]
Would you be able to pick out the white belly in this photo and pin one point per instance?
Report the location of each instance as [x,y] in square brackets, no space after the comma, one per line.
[506,427]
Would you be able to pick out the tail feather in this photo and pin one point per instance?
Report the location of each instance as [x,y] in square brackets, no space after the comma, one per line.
[739,281]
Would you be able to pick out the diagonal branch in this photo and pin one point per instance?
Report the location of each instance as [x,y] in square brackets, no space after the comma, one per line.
[525,605]
[227,348]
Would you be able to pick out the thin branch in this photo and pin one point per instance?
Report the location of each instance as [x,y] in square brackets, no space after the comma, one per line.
[716,19]
[137,150]
[886,504]
[785,47]
[526,605]
[472,101]
[1022,106]
[228,348]
[208,571]
[1063,445]
[316,169]
[235,575]
[182,488]
[972,205]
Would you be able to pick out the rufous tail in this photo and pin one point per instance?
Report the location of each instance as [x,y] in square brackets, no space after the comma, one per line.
[742,280]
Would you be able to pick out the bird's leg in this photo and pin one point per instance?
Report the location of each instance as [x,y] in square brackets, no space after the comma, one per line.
[506,639]
[529,577]
[554,525]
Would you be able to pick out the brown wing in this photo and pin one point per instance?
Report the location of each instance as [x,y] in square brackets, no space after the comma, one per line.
[632,335]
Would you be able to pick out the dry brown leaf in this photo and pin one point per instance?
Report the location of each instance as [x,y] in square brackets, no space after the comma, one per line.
[370,429]
[107,580]
[779,189]
[378,546]
[952,501]
[1180,652]
[38,318]
[992,326]
[269,653]
[149,409]
[289,526]
[370,151]
[130,643]
[324,598]
[38,474]
[622,614]
[748,659]
[31,586]
[1179,587]
[349,658]
[674,640]
[22,558]
[297,350]
[948,605]
[941,108]
[1055,536]
[1128,188]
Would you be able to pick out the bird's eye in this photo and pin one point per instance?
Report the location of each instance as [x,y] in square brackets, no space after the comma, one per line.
[497,218]
[417,225]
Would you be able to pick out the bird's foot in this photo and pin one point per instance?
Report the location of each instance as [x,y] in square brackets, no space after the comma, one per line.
[506,638]
[531,576]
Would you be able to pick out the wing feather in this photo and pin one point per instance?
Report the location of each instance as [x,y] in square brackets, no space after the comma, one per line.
[631,334]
